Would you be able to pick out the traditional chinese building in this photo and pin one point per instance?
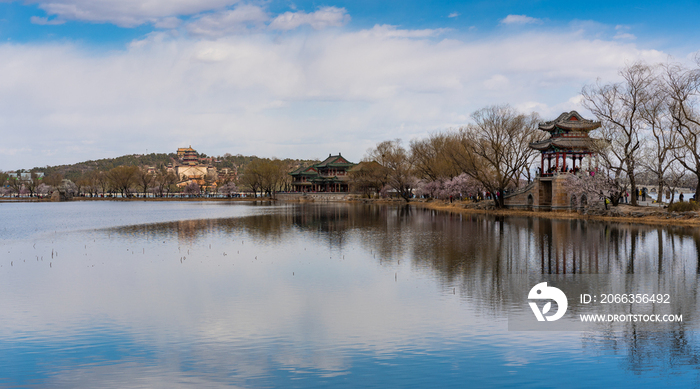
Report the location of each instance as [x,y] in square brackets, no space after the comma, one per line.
[190,169]
[562,153]
[331,175]
[187,156]
[568,139]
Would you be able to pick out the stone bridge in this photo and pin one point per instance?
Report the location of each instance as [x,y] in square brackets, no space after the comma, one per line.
[545,194]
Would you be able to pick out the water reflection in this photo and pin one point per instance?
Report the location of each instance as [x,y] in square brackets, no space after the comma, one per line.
[462,246]
[329,295]
[476,255]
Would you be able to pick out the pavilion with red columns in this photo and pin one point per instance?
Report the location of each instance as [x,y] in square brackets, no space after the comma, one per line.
[568,139]
[564,151]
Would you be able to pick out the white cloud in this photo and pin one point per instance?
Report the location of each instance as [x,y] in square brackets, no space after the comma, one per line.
[242,18]
[289,95]
[45,21]
[453,15]
[127,13]
[388,31]
[167,23]
[624,35]
[324,17]
[520,19]
[497,81]
[622,32]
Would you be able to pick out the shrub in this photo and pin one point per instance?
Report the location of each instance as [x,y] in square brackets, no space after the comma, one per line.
[684,206]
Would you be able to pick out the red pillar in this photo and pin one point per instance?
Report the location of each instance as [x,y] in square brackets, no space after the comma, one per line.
[541,163]
[557,164]
[563,163]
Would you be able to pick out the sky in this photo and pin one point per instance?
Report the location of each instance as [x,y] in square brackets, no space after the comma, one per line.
[90,79]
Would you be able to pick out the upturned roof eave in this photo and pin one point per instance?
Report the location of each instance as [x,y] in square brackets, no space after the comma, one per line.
[564,122]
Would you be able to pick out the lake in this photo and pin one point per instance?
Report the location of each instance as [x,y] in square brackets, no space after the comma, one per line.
[209,294]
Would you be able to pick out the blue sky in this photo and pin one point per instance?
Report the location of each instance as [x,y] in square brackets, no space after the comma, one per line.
[86,79]
[666,23]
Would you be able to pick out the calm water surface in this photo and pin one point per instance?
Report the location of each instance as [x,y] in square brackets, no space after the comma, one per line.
[128,294]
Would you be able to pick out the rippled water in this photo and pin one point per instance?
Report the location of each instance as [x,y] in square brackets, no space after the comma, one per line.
[129,294]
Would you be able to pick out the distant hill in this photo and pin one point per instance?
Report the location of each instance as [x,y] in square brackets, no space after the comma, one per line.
[74,171]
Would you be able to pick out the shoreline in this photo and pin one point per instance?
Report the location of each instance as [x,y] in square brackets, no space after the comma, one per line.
[643,215]
[686,219]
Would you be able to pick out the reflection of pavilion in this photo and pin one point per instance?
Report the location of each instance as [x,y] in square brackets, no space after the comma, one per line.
[568,139]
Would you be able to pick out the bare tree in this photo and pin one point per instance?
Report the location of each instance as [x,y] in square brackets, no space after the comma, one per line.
[431,157]
[682,87]
[122,178]
[91,182]
[4,186]
[164,180]
[619,109]
[274,175]
[253,176]
[144,179]
[674,177]
[83,183]
[495,149]
[54,180]
[15,183]
[396,160]
[210,182]
[368,177]
[32,183]
[658,154]
[102,181]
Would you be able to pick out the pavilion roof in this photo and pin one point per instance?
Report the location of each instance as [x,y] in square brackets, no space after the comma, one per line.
[334,161]
[305,171]
[298,170]
[580,144]
[569,122]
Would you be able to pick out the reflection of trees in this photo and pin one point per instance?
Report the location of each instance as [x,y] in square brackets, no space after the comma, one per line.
[646,351]
[463,246]
[478,253]
[265,227]
[331,224]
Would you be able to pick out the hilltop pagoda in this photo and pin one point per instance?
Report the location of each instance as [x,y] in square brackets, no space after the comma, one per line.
[568,138]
